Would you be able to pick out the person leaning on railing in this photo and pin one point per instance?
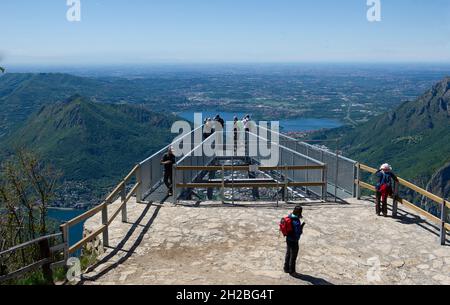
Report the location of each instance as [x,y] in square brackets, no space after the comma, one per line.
[384,188]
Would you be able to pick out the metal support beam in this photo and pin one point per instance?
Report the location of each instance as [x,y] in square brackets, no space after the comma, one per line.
[358,179]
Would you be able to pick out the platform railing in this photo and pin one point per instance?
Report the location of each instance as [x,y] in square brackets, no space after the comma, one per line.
[444,204]
[296,170]
[341,170]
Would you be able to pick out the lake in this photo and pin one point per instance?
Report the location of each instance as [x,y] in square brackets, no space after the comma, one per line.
[288,125]
[63,215]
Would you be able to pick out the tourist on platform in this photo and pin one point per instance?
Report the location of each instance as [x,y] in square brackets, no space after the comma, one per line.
[168,160]
[294,230]
[384,188]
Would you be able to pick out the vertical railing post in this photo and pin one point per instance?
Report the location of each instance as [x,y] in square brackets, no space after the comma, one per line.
[140,189]
[65,233]
[44,253]
[105,222]
[325,183]
[286,184]
[336,175]
[443,219]
[395,201]
[123,195]
[358,180]
[174,183]
[223,185]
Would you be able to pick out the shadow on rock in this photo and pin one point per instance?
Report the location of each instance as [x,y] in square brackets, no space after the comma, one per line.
[311,279]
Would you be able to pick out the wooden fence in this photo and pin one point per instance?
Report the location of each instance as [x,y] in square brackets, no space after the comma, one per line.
[46,260]
[120,190]
[444,204]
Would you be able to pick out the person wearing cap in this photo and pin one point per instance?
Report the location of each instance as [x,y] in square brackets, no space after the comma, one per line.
[384,188]
[168,160]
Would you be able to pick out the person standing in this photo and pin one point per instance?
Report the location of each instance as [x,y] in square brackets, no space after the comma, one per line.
[235,132]
[168,160]
[207,129]
[384,188]
[292,227]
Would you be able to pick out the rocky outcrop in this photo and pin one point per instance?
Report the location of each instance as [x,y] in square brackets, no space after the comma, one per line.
[440,182]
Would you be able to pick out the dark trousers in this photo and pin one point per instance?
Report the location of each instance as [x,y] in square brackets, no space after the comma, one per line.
[291,256]
[168,180]
[381,204]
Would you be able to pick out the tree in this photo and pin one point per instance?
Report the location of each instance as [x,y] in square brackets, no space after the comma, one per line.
[2,69]
[27,188]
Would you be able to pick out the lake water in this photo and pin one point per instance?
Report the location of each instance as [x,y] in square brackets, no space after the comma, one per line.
[288,125]
[61,216]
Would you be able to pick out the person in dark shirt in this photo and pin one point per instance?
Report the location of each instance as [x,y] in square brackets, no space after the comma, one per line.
[219,120]
[384,188]
[292,240]
[168,160]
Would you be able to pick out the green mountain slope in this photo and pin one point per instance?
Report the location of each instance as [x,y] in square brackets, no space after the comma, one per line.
[414,138]
[23,94]
[93,143]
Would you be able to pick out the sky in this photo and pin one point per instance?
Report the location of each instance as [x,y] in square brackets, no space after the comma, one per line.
[223,31]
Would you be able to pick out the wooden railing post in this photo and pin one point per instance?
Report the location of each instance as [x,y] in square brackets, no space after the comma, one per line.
[44,251]
[395,201]
[65,233]
[105,222]
[123,196]
[443,219]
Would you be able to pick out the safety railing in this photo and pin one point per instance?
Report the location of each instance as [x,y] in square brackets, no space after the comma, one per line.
[295,169]
[46,259]
[444,204]
[151,171]
[119,191]
[341,170]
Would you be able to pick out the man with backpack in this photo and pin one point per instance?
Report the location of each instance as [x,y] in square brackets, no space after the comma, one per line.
[384,188]
[292,228]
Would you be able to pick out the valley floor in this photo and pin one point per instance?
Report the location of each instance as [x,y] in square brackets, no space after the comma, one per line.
[220,244]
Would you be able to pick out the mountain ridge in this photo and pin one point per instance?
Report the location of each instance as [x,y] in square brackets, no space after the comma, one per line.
[414,137]
[93,143]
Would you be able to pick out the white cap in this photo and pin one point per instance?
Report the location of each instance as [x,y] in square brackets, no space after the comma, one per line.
[385,166]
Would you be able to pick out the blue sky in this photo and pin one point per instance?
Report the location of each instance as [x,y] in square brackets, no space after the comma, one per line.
[154,31]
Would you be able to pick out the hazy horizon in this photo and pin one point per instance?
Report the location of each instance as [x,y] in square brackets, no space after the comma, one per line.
[223,32]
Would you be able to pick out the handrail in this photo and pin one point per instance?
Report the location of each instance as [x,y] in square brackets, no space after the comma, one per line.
[410,185]
[45,257]
[127,198]
[86,239]
[29,243]
[444,225]
[307,144]
[247,167]
[227,184]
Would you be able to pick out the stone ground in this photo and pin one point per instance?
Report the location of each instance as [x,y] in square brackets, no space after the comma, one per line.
[212,243]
